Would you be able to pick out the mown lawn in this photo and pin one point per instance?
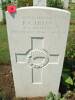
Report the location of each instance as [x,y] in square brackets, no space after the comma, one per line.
[4,50]
[71,36]
[72,10]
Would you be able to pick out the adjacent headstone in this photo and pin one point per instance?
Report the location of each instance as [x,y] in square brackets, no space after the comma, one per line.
[39,2]
[66,4]
[37,40]
[73,1]
[1,12]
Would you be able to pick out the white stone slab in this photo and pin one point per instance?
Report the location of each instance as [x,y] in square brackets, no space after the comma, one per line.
[39,2]
[37,40]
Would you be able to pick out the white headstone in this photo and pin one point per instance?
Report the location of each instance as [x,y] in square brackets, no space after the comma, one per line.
[37,40]
[39,2]
[66,4]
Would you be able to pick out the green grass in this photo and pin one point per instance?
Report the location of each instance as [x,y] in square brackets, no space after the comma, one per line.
[72,10]
[72,14]
[71,36]
[4,50]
